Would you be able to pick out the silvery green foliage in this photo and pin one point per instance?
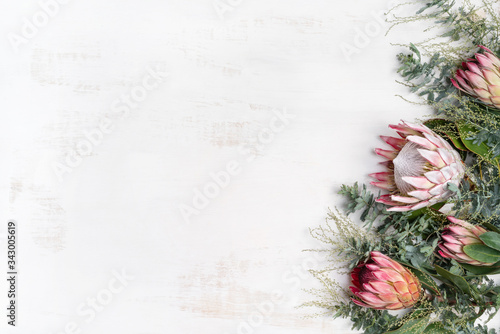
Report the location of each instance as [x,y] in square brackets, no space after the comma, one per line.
[463,293]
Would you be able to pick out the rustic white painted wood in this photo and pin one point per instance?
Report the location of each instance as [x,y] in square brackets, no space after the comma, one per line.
[98,187]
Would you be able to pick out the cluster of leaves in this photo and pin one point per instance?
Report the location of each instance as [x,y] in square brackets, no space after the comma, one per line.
[463,292]
[428,67]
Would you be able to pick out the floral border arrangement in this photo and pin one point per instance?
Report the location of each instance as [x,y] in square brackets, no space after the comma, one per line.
[431,236]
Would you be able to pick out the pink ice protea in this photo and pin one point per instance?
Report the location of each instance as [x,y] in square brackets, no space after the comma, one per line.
[419,168]
[458,235]
[384,284]
[480,78]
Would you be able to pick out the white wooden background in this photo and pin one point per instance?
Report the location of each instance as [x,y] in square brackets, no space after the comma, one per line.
[124,202]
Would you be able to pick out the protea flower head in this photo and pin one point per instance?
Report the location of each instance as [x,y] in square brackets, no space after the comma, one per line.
[419,168]
[383,284]
[480,78]
[458,235]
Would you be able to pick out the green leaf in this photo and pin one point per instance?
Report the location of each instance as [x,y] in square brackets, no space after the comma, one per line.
[419,212]
[465,131]
[436,328]
[491,239]
[414,49]
[426,281]
[448,129]
[414,326]
[482,253]
[482,270]
[458,281]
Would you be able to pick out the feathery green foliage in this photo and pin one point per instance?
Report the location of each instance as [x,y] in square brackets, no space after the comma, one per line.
[463,293]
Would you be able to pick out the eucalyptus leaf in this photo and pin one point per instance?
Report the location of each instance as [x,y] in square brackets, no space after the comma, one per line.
[491,239]
[482,253]
[456,280]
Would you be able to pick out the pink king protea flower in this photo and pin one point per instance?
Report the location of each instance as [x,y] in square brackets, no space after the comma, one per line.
[456,237]
[480,78]
[419,168]
[383,284]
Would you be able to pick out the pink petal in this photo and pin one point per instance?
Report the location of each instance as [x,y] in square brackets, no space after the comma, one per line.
[491,77]
[446,254]
[401,287]
[435,177]
[463,83]
[421,205]
[495,100]
[354,290]
[455,84]
[386,153]
[397,143]
[450,239]
[485,49]
[462,257]
[388,274]
[388,297]
[400,208]
[446,155]
[385,262]
[476,80]
[378,254]
[370,298]
[405,199]
[473,67]
[382,287]
[484,61]
[493,59]
[403,130]
[420,128]
[455,248]
[384,176]
[482,93]
[372,267]
[420,194]
[494,90]
[418,182]
[437,190]
[447,172]
[477,230]
[433,157]
[383,185]
[357,302]
[368,288]
[470,241]
[459,230]
[422,142]
[395,306]
[386,202]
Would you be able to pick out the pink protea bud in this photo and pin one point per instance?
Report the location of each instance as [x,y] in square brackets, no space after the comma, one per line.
[480,78]
[383,284]
[458,235]
[419,168]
